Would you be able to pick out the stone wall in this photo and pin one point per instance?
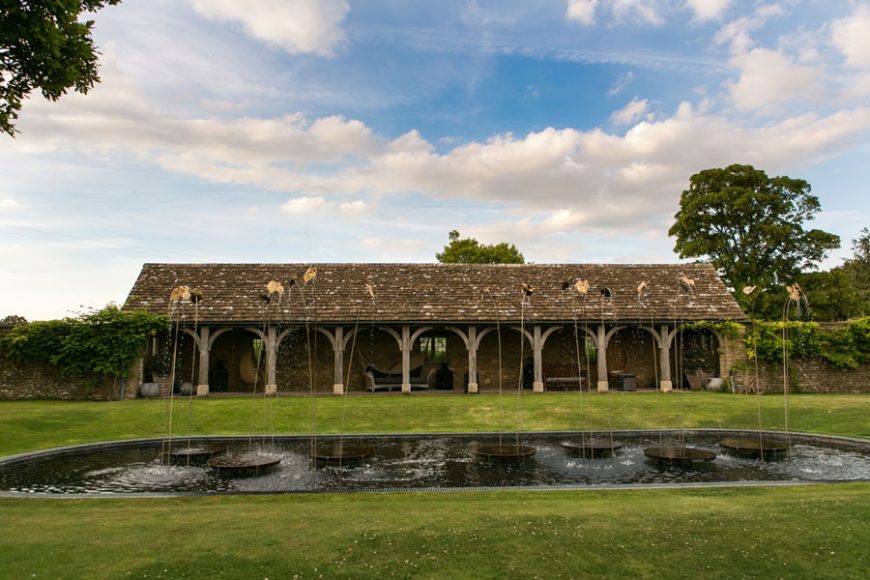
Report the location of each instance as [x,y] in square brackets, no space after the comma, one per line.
[43,381]
[806,376]
[31,381]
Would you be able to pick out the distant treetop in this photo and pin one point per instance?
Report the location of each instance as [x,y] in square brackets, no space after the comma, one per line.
[470,251]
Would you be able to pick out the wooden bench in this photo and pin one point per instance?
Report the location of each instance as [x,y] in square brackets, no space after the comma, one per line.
[563,377]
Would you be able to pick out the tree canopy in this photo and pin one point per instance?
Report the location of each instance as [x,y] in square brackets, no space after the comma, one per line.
[750,226]
[470,251]
[858,267]
[43,45]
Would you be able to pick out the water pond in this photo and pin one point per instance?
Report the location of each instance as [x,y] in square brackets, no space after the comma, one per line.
[425,462]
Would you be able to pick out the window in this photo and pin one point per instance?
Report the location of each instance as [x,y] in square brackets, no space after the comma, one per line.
[434,348]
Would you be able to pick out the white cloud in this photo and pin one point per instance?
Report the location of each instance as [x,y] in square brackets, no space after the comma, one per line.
[643,10]
[336,165]
[851,36]
[582,11]
[769,79]
[736,33]
[633,111]
[297,26]
[308,205]
[7,203]
[303,205]
[621,83]
[354,208]
[707,9]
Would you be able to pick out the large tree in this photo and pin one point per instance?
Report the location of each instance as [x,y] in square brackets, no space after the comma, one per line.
[43,45]
[750,226]
[858,268]
[470,251]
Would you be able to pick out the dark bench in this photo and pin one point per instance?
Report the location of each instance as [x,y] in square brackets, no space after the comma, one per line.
[563,377]
[390,382]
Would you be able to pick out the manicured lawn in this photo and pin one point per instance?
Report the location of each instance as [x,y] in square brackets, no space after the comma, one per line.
[796,532]
[818,531]
[39,424]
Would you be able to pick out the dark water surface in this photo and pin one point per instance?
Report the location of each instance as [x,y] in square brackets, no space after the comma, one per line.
[423,461]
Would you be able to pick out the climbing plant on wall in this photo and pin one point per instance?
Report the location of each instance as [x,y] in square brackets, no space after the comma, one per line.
[843,347]
[99,342]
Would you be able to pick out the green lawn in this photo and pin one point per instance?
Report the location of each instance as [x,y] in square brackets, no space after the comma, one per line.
[29,425]
[795,532]
[818,531]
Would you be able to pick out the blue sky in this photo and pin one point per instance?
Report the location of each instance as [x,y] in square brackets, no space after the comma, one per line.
[345,131]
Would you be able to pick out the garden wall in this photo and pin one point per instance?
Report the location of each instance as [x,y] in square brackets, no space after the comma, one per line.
[806,376]
[30,381]
[42,381]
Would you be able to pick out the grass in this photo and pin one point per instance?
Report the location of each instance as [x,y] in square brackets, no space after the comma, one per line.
[796,532]
[31,425]
[817,531]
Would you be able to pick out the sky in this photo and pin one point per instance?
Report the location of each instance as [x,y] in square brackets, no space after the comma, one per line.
[320,131]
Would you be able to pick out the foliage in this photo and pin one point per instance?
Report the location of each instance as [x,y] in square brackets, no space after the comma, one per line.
[858,268]
[102,342]
[843,347]
[725,328]
[767,342]
[12,320]
[470,251]
[750,226]
[43,45]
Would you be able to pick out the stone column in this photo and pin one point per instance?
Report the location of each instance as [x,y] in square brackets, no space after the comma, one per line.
[406,359]
[665,357]
[338,349]
[537,351]
[472,359]
[137,377]
[601,348]
[204,350]
[271,362]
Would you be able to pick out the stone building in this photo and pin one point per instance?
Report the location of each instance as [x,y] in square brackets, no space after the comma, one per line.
[462,327]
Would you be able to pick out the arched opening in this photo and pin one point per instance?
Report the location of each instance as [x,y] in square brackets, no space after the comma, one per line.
[694,358]
[514,358]
[304,358]
[445,359]
[632,353]
[569,353]
[237,362]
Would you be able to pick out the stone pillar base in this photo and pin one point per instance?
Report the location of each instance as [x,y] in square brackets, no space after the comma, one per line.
[538,387]
[472,388]
[406,389]
[337,389]
[603,386]
[667,386]
[271,390]
[201,390]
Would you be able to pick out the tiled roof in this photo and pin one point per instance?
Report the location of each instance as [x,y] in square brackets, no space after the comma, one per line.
[438,292]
